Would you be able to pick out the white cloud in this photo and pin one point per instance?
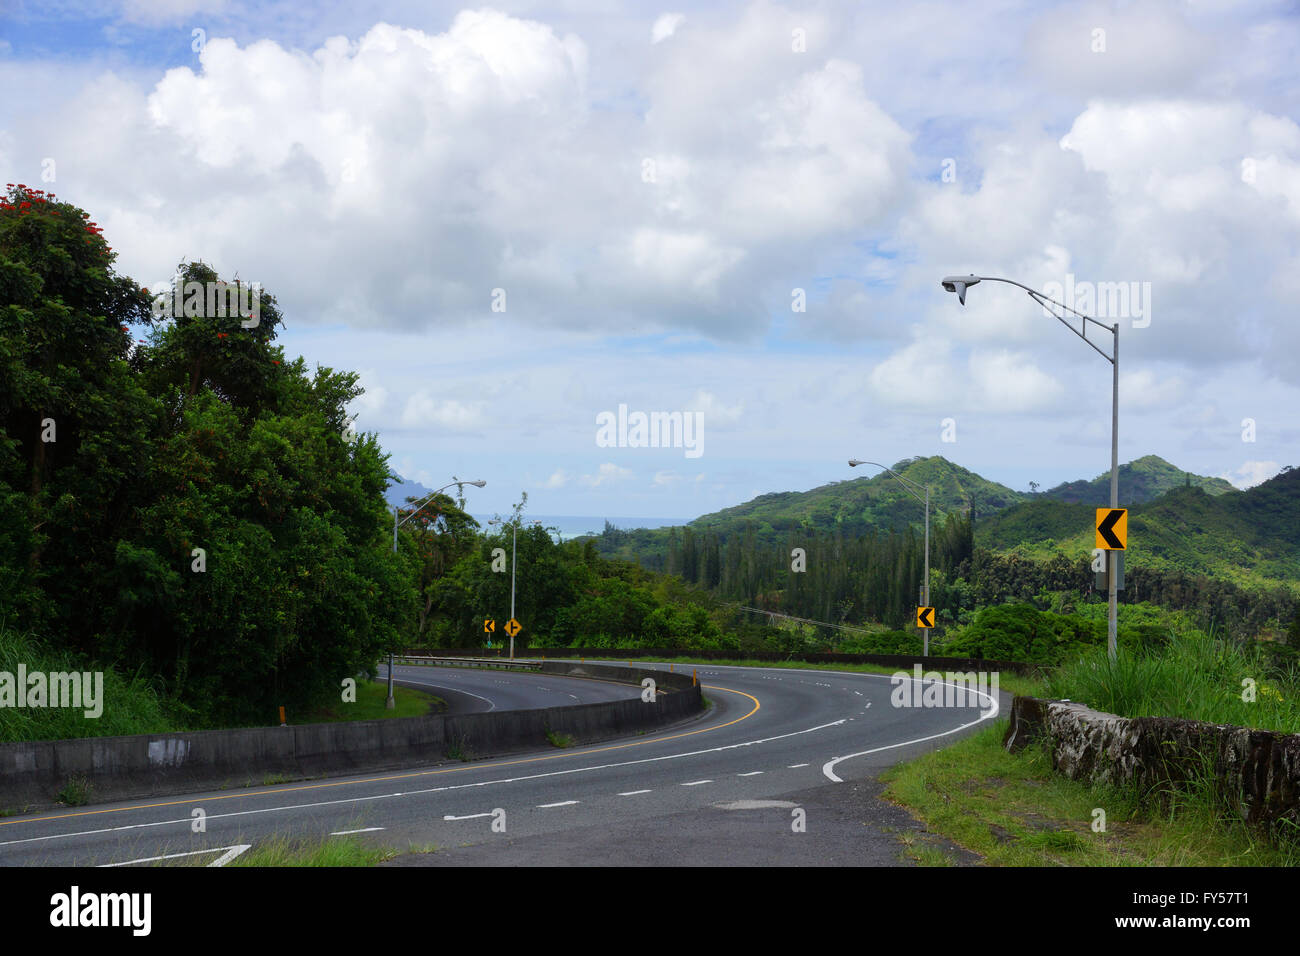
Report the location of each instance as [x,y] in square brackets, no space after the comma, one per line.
[666,26]
[423,410]
[1251,473]
[1010,381]
[382,182]
[608,473]
[375,397]
[716,415]
[559,478]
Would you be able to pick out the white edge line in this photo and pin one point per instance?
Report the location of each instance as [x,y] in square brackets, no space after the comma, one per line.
[460,786]
[828,766]
[452,687]
[231,853]
[364,830]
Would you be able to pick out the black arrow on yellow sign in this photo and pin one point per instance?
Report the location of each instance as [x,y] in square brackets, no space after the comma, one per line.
[925,617]
[1112,529]
[489,625]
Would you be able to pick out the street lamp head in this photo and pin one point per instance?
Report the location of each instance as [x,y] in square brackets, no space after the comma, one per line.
[477,484]
[853,463]
[960,284]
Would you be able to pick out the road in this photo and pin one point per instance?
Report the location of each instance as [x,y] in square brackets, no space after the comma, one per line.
[471,691]
[769,734]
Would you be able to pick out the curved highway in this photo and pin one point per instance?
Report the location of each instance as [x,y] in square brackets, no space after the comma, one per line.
[472,690]
[769,733]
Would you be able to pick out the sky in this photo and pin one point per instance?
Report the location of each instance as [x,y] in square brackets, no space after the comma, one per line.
[513,219]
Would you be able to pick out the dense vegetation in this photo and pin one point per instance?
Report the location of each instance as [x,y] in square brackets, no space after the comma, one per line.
[1233,559]
[186,506]
[186,509]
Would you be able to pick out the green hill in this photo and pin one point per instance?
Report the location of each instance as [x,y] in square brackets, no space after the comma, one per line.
[878,501]
[1177,521]
[1245,537]
[1140,481]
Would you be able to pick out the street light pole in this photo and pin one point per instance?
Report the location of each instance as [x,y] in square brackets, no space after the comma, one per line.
[925,584]
[1112,557]
[391,703]
[514,565]
[959,285]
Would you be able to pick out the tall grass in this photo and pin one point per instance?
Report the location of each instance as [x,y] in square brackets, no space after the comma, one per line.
[1197,676]
[130,704]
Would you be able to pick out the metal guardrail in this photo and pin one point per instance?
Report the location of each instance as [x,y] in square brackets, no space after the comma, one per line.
[489,662]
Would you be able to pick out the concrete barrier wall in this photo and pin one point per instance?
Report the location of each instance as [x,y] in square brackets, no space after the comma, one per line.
[1256,772]
[119,768]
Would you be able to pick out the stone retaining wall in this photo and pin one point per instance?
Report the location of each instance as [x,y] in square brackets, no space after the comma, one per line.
[1256,771]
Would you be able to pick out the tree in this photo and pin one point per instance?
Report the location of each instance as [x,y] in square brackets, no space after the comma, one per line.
[186,503]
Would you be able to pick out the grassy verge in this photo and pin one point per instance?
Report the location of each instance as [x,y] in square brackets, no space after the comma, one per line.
[327,851]
[323,851]
[1196,676]
[369,705]
[1014,810]
[1012,683]
[129,704]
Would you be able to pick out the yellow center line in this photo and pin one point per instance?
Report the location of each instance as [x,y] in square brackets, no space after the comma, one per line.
[405,776]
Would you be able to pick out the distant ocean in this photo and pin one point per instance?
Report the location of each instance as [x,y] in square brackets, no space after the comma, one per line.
[574,526]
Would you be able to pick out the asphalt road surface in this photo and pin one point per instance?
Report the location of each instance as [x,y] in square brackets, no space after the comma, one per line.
[727,787]
[470,690]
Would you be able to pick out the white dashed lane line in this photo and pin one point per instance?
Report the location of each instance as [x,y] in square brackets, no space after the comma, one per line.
[633,793]
[696,783]
[752,773]
[562,803]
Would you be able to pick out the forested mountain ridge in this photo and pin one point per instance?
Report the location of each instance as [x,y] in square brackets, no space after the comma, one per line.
[1140,481]
[1235,554]
[876,499]
[1242,536]
[882,502]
